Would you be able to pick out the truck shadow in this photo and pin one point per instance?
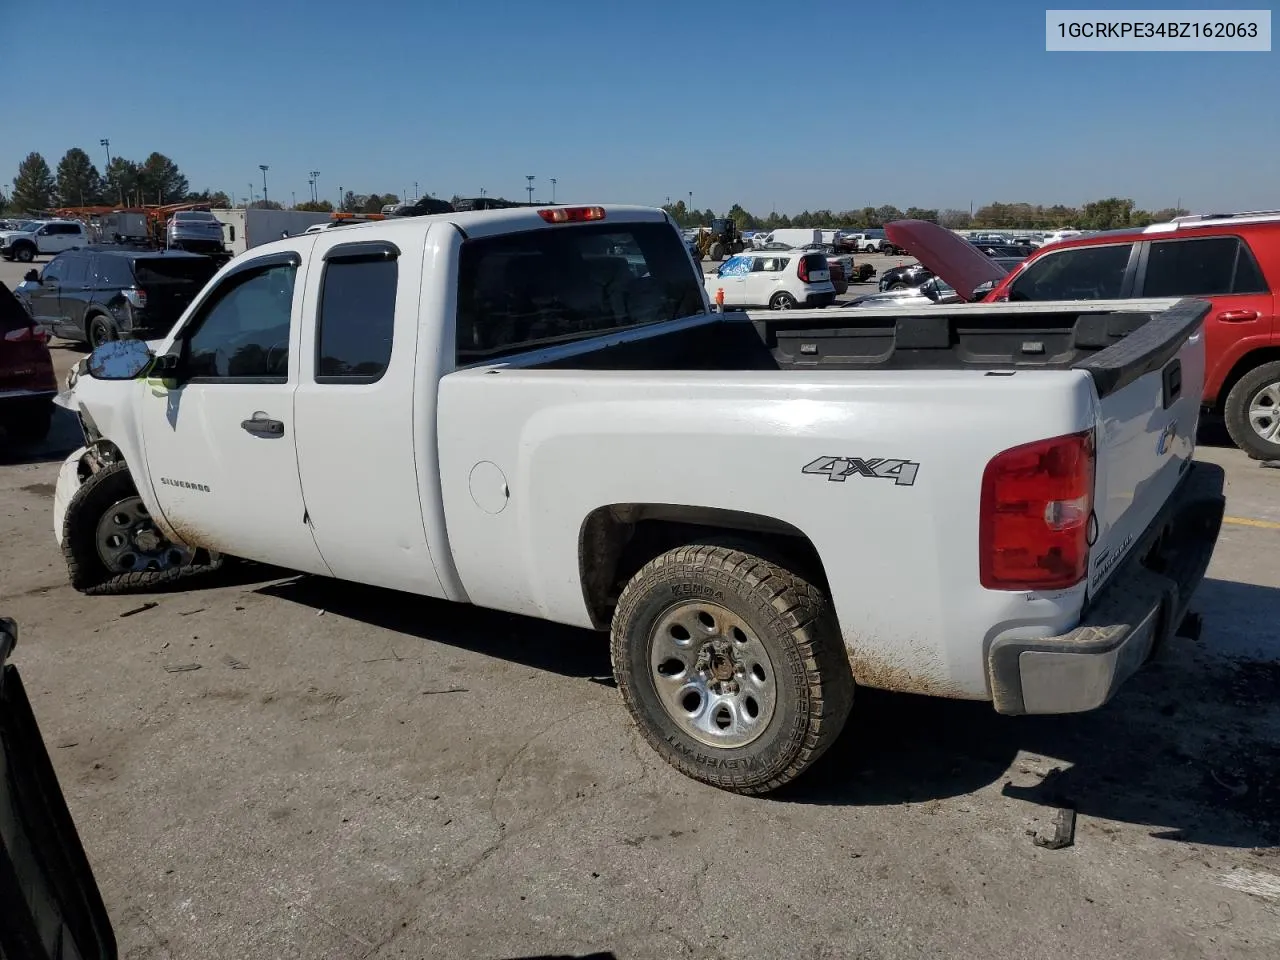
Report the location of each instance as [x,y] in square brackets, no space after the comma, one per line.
[1190,746]
[506,636]
[64,436]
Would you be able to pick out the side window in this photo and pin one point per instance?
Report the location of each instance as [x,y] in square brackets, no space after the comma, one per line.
[55,269]
[1081,273]
[76,270]
[356,318]
[113,272]
[1249,277]
[242,330]
[1191,268]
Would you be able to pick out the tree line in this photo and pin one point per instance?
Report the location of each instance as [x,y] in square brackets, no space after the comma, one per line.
[1108,214]
[77,182]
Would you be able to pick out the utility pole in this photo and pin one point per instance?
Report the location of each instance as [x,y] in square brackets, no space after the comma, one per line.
[553,190]
[691,202]
[416,195]
[106,144]
[340,196]
[294,194]
[263,168]
[252,195]
[529,177]
[482,193]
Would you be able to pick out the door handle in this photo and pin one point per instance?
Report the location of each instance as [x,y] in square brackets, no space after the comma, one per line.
[1238,316]
[260,425]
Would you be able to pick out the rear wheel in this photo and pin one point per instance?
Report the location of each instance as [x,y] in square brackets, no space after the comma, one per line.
[782,301]
[733,667]
[101,330]
[111,544]
[1252,412]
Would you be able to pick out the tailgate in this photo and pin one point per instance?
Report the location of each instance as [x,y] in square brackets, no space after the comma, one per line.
[1149,387]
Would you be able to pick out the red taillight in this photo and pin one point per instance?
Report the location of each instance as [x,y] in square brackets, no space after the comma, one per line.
[571,214]
[1033,530]
[21,334]
[136,297]
[802,271]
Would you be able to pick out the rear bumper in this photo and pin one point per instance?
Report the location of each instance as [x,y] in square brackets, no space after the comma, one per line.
[1138,611]
[820,299]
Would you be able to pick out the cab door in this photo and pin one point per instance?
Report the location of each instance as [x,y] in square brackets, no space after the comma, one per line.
[219,435]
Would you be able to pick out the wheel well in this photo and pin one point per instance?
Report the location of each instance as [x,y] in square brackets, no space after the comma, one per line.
[1254,358]
[617,540]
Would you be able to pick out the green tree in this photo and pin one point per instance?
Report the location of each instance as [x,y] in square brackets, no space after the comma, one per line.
[33,188]
[886,213]
[921,213]
[1107,214]
[954,219]
[79,183]
[314,206]
[160,180]
[215,198]
[4,203]
[739,215]
[120,185]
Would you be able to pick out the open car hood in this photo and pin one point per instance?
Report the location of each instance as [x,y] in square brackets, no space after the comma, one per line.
[958,262]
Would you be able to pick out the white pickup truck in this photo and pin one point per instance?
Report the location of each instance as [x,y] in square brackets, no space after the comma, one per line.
[986,501]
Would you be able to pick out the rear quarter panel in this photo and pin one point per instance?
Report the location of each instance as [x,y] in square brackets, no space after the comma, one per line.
[901,558]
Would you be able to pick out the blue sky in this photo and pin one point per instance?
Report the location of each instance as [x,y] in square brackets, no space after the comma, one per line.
[934,104]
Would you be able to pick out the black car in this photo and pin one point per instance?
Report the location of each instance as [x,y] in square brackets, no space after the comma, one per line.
[912,275]
[1020,250]
[101,293]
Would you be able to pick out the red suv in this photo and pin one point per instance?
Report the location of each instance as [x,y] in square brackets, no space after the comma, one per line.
[27,384]
[1231,260]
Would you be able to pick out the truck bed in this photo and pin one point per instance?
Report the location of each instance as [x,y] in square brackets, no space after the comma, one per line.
[1034,336]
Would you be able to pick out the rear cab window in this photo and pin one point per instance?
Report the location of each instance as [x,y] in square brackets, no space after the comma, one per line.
[1078,273]
[542,287]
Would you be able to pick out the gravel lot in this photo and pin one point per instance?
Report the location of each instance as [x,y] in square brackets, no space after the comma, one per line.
[353,772]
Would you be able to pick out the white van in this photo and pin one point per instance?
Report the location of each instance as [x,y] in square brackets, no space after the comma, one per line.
[797,237]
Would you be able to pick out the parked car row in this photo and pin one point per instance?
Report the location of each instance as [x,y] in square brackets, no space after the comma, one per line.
[1232,261]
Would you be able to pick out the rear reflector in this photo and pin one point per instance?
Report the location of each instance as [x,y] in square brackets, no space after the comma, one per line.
[571,214]
[1033,529]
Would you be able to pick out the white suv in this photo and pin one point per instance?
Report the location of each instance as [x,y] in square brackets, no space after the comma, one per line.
[777,279]
[42,236]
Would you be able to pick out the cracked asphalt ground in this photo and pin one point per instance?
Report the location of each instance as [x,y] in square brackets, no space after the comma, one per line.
[357,773]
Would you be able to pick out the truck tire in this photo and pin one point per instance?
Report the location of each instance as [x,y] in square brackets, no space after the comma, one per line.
[111,545]
[1252,412]
[717,251]
[25,252]
[732,666]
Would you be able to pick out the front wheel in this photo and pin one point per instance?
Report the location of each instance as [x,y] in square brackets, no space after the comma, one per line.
[111,544]
[717,251]
[1252,412]
[782,301]
[732,666]
[897,285]
[25,253]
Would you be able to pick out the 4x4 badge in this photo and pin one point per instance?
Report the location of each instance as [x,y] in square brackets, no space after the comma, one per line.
[901,472]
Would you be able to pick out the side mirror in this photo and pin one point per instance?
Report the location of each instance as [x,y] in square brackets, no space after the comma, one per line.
[31,276]
[982,289]
[119,360]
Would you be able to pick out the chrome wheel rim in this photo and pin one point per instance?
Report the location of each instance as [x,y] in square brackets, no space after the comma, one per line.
[99,332]
[712,674]
[128,540]
[783,302]
[1264,413]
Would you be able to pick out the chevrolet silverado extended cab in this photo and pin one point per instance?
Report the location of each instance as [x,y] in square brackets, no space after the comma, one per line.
[986,501]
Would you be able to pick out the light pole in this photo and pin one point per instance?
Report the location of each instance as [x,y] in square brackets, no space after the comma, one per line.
[553,189]
[315,190]
[251,193]
[294,194]
[529,177]
[340,196]
[482,193]
[312,184]
[263,168]
[416,195]
[106,145]
[690,201]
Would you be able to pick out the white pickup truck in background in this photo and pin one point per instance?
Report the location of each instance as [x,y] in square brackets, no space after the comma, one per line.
[535,411]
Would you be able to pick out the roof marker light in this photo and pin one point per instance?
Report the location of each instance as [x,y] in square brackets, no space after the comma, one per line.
[571,214]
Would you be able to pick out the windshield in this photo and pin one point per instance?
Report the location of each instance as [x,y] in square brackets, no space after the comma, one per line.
[163,270]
